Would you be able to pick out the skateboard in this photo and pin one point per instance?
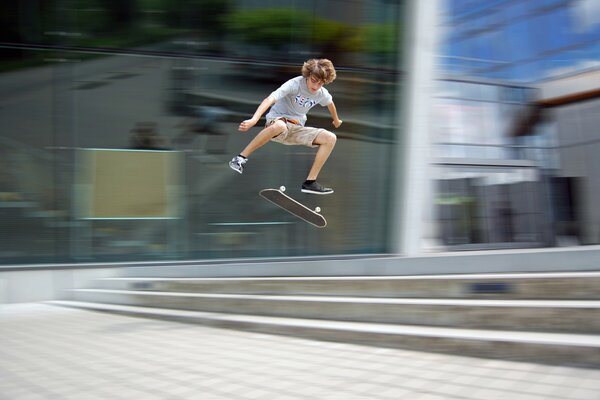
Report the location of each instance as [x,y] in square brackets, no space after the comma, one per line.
[280,199]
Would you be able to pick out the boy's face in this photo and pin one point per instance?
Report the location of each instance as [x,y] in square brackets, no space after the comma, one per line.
[314,84]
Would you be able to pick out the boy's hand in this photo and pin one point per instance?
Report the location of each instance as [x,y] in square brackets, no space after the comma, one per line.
[337,123]
[247,124]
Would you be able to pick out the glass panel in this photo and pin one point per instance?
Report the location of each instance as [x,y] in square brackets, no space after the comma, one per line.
[511,40]
[488,207]
[178,76]
[32,221]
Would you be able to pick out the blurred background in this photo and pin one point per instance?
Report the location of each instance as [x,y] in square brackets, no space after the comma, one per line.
[117,119]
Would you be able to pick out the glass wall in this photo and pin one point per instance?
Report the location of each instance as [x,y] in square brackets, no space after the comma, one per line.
[118,118]
[476,120]
[489,185]
[507,172]
[489,207]
[523,41]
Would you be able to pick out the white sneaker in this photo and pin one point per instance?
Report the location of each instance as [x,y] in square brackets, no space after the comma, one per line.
[237,164]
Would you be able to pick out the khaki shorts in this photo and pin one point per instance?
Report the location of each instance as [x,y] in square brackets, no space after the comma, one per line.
[296,134]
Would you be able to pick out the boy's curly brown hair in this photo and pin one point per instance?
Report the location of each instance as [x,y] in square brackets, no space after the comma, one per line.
[322,69]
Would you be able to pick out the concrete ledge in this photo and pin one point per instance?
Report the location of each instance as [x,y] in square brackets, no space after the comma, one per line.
[25,283]
[505,261]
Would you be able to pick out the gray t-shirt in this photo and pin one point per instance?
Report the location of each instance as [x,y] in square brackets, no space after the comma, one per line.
[293,100]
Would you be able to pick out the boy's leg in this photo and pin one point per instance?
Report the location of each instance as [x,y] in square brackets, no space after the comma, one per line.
[263,137]
[326,141]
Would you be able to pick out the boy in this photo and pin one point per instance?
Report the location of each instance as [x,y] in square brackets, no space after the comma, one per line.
[286,118]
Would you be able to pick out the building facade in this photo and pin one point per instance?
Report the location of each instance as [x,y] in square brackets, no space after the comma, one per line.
[467,125]
[514,108]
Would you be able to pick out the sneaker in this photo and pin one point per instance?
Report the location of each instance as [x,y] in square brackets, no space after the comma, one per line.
[315,188]
[237,163]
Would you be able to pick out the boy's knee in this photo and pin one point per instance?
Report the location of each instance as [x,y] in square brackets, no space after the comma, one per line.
[330,137]
[325,138]
[277,127]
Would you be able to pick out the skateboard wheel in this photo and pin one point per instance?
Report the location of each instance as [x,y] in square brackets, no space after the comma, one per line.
[317,209]
[282,188]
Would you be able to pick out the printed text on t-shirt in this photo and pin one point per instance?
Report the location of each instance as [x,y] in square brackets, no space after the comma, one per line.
[304,101]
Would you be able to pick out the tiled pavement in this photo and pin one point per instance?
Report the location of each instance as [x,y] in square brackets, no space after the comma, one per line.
[49,352]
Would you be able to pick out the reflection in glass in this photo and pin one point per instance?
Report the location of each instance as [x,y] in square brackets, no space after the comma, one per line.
[178,76]
[488,207]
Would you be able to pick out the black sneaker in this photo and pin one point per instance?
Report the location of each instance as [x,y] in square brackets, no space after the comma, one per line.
[237,163]
[315,188]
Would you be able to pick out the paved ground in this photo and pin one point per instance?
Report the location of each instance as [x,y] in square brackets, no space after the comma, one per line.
[49,352]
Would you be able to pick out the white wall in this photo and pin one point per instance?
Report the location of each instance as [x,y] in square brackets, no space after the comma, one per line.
[413,153]
[46,284]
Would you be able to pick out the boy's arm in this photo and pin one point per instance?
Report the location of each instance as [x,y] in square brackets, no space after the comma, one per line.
[262,108]
[333,111]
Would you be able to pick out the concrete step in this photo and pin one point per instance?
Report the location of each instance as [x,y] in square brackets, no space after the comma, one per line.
[547,286]
[552,348]
[581,316]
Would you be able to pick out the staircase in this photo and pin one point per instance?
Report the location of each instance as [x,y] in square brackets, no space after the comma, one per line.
[537,317]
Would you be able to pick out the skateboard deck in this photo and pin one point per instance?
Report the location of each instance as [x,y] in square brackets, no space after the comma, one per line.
[280,199]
